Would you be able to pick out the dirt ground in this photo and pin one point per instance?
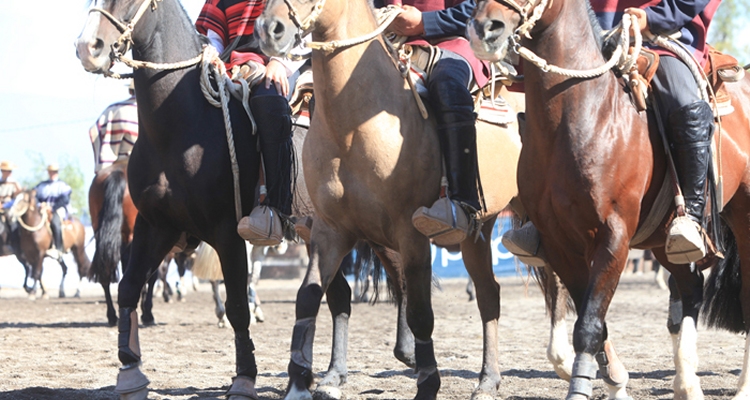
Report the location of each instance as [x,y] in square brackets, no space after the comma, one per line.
[63,348]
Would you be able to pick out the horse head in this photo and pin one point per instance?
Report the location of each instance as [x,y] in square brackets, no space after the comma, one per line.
[110,31]
[284,23]
[498,25]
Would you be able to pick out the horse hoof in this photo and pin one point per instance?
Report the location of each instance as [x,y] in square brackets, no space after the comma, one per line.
[32,297]
[243,388]
[328,393]
[297,394]
[132,384]
[141,394]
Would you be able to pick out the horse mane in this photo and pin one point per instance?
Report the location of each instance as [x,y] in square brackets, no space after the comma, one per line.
[598,31]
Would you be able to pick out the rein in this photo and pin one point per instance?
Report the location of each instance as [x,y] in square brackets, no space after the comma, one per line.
[30,228]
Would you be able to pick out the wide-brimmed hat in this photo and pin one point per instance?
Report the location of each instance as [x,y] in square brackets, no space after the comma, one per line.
[6,165]
[53,168]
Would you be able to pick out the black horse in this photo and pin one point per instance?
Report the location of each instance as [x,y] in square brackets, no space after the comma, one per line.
[180,173]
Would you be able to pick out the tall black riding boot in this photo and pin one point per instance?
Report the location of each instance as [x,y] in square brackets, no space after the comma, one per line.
[264,226]
[689,131]
[450,219]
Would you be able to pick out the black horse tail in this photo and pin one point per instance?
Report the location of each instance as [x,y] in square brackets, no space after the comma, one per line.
[367,264]
[722,304]
[109,234]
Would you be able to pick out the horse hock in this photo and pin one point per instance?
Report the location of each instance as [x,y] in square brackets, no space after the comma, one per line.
[131,382]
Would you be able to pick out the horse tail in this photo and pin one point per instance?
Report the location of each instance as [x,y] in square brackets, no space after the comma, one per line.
[109,234]
[722,304]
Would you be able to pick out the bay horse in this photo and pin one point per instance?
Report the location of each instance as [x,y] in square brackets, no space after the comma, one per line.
[370,161]
[112,218]
[35,239]
[180,171]
[589,172]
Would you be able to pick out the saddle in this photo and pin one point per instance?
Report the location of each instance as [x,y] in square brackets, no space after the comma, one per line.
[719,69]
[489,105]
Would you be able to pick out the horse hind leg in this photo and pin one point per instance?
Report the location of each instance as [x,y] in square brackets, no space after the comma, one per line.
[64,274]
[560,352]
[338,296]
[477,258]
[686,297]
[221,312]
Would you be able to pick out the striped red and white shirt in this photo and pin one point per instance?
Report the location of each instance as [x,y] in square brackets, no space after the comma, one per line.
[114,133]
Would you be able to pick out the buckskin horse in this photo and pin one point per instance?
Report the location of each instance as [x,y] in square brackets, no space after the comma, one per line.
[180,172]
[35,239]
[589,174]
[373,160]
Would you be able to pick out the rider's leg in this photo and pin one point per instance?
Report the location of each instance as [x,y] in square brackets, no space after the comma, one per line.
[56,226]
[689,124]
[450,222]
[273,118]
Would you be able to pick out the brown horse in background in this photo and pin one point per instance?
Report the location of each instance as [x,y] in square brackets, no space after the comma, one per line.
[113,218]
[589,172]
[35,238]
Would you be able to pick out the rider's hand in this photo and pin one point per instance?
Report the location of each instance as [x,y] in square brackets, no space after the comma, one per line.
[408,23]
[640,14]
[276,75]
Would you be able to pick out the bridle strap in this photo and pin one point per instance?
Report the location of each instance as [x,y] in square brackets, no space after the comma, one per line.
[303,26]
[123,43]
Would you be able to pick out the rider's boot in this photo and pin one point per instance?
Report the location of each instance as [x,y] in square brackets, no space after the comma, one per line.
[451,219]
[57,240]
[265,226]
[690,129]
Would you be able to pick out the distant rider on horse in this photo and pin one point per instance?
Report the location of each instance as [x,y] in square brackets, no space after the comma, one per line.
[688,119]
[9,188]
[115,132]
[443,24]
[56,194]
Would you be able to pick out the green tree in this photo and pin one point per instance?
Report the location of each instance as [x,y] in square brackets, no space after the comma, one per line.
[70,173]
[726,29]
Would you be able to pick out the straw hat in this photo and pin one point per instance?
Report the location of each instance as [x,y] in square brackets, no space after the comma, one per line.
[6,165]
[53,168]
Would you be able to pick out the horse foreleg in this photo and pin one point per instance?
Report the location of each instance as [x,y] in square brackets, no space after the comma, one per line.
[590,332]
[477,258]
[338,296]
[149,247]
[559,350]
[328,248]
[221,312]
[233,257]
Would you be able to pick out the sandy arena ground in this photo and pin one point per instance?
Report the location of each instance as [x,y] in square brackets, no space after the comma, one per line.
[63,349]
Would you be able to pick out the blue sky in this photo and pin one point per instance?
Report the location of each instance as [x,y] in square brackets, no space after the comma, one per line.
[47,101]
